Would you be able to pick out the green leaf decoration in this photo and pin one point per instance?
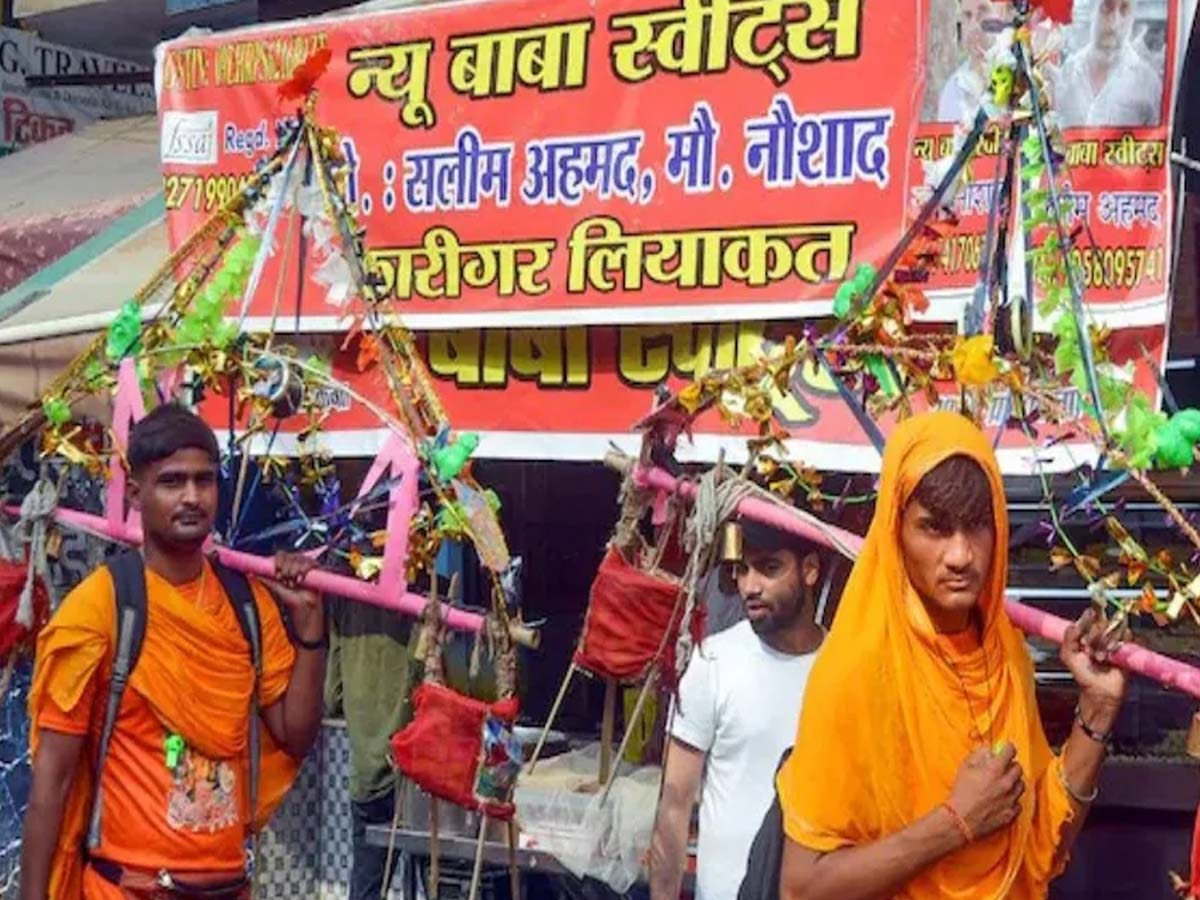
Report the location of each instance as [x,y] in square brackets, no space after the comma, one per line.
[451,518]
[321,365]
[1038,215]
[1066,357]
[224,334]
[1139,439]
[1112,392]
[223,283]
[843,300]
[863,276]
[878,367]
[94,372]
[850,292]
[1173,450]
[57,411]
[1188,423]
[125,332]
[449,461]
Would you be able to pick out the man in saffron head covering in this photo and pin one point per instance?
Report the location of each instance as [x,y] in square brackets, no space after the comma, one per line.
[921,769]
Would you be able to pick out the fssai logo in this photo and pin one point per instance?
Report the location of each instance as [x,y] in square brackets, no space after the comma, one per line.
[189,138]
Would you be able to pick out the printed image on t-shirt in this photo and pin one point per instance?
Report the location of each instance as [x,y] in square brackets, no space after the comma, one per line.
[203,794]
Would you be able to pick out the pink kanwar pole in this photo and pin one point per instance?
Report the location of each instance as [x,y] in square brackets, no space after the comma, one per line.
[1168,672]
[353,588]
[753,508]
[398,457]
[128,407]
[264,567]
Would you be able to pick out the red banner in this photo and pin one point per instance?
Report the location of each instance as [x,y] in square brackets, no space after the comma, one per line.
[624,162]
[619,161]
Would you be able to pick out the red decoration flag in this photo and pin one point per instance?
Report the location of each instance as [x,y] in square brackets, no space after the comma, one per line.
[304,77]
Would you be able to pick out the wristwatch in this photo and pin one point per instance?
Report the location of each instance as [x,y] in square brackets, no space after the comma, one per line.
[321,643]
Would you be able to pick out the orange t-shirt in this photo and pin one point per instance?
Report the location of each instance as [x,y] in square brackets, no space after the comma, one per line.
[192,816]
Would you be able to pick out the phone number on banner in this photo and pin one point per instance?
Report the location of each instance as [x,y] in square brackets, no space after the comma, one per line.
[202,193]
[1122,267]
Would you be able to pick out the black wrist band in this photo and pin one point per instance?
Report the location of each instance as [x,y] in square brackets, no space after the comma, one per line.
[1103,738]
[321,643]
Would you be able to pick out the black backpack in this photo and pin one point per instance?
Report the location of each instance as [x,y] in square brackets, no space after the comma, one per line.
[129,579]
[766,853]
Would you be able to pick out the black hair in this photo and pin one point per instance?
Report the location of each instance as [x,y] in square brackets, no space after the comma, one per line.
[957,493]
[765,538]
[166,430]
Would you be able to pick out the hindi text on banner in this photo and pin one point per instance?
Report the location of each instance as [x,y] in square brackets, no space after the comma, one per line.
[818,149]
[264,61]
[564,169]
[547,357]
[604,258]
[458,177]
[399,73]
[547,58]
[1129,152]
[692,151]
[442,266]
[705,36]
[1124,209]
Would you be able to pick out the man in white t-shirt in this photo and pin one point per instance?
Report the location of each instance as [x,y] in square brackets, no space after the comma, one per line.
[978,23]
[739,703]
[1108,82]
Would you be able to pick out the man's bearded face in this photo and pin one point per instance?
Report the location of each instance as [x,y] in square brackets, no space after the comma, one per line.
[770,583]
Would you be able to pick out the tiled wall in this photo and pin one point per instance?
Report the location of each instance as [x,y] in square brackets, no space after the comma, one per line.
[290,847]
[306,852]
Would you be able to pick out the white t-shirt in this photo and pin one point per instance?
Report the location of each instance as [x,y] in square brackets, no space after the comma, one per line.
[1131,96]
[739,702]
[961,94]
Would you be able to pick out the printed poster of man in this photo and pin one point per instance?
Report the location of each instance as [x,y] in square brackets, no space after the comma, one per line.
[1110,71]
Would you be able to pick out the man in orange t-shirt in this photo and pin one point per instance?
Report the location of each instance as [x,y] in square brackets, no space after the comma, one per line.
[175,783]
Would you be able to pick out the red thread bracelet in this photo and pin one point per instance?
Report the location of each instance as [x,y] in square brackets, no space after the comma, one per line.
[960,823]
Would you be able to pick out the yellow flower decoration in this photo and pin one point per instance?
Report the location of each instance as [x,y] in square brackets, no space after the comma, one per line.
[972,359]
[273,467]
[365,567]
[691,397]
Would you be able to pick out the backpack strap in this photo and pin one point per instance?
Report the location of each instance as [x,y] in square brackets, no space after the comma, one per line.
[241,595]
[129,580]
[765,860]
